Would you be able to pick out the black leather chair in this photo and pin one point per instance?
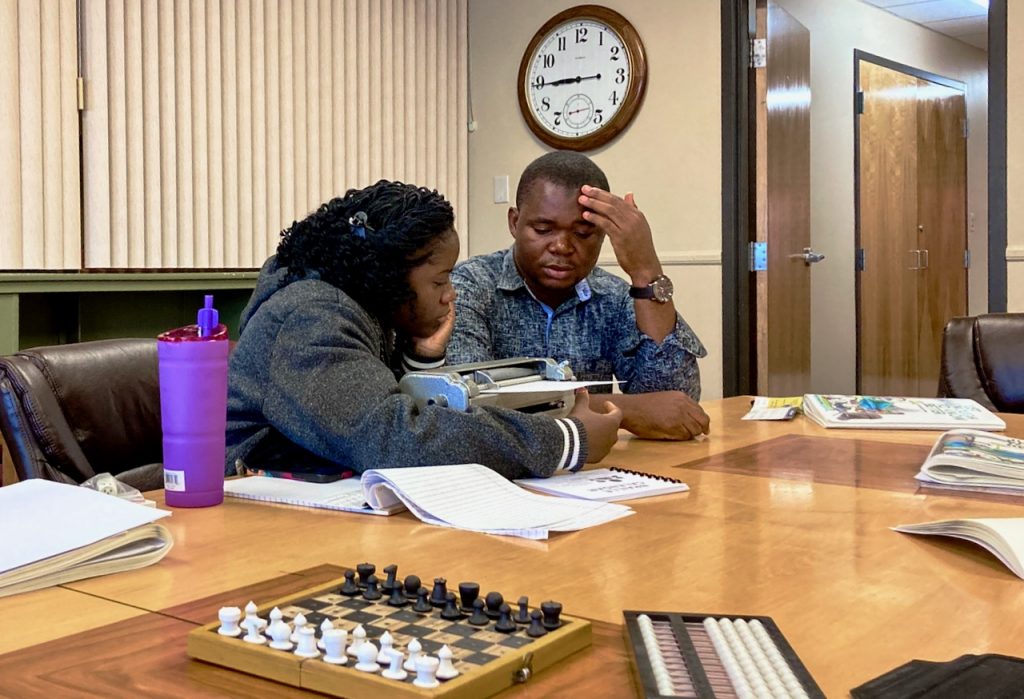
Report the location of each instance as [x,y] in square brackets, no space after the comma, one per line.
[68,412]
[983,359]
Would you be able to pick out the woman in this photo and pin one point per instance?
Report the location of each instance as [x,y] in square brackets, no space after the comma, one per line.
[359,292]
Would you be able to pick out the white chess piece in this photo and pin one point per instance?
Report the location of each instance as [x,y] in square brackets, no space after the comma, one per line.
[229,617]
[395,672]
[307,643]
[384,657]
[367,658]
[358,639]
[326,626]
[414,649]
[426,668]
[445,669]
[298,623]
[334,646]
[253,635]
[279,631]
[250,613]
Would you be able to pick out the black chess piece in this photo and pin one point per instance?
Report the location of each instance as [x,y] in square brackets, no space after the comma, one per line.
[468,591]
[397,598]
[439,596]
[350,588]
[390,582]
[422,605]
[551,610]
[365,570]
[478,618]
[451,610]
[494,600]
[505,623]
[371,592]
[412,586]
[536,629]
[523,615]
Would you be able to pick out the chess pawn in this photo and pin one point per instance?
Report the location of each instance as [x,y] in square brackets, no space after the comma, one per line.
[326,626]
[358,639]
[229,617]
[426,669]
[367,655]
[445,669]
[299,623]
[414,649]
[250,613]
[395,671]
[307,643]
[279,631]
[334,646]
[384,657]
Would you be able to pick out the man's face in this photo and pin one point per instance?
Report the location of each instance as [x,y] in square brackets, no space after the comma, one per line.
[555,246]
[430,281]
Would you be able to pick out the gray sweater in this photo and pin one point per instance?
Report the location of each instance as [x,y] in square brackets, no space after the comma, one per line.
[311,387]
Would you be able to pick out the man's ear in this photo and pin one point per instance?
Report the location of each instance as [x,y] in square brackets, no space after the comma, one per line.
[513,219]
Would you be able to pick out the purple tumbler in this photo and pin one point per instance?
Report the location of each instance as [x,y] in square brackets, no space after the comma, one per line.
[193,409]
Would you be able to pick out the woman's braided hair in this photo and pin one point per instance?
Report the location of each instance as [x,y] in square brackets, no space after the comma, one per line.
[368,257]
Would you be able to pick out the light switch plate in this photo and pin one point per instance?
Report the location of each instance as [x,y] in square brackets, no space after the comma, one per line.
[501,189]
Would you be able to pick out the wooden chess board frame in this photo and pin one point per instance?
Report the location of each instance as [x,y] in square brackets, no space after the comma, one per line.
[642,665]
[204,643]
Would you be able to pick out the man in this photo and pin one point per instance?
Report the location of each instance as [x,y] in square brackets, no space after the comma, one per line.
[545,297]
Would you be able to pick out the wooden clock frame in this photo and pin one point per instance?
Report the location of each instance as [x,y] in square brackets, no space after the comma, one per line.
[631,101]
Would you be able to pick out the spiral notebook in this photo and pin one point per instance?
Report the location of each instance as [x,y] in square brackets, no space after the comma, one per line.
[605,484]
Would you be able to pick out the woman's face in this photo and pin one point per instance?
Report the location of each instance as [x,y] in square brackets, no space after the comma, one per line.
[432,290]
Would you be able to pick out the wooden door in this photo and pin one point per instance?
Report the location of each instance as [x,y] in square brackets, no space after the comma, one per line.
[912,234]
[783,202]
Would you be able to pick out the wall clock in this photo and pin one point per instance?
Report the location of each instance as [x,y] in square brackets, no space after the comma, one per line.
[582,78]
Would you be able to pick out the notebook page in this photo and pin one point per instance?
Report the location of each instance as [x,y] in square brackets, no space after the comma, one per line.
[346,494]
[30,534]
[471,496]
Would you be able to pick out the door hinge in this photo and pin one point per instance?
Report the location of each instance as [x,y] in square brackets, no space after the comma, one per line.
[758,53]
[758,256]
[858,260]
[858,102]
[967,259]
[967,127]
[80,89]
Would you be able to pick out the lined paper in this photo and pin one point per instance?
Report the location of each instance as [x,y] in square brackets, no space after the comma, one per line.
[345,495]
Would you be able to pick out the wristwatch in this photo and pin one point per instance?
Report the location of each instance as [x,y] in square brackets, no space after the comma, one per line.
[659,290]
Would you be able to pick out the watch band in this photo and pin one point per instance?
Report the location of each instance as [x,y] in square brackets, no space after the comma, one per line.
[660,290]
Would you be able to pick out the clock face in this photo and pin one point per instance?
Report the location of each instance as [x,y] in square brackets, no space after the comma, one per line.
[582,77]
[578,78]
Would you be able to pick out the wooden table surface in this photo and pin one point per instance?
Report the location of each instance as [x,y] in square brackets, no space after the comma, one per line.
[783,519]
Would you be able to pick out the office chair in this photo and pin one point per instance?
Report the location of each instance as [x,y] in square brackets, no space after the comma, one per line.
[983,359]
[68,412]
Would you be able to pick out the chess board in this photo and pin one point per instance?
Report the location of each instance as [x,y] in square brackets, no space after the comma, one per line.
[693,667]
[488,661]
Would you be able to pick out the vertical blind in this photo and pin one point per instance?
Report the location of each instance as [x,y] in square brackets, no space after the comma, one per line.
[40,218]
[211,125]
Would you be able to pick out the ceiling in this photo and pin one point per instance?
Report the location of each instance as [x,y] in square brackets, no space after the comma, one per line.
[966,20]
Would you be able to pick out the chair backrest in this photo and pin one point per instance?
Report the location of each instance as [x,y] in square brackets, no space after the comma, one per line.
[68,412]
[983,359]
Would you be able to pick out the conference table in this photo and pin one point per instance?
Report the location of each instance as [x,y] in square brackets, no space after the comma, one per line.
[783,519]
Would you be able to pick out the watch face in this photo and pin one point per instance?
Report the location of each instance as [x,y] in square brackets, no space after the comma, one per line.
[662,287]
[577,78]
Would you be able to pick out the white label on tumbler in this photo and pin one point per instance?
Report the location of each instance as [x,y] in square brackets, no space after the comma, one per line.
[174,480]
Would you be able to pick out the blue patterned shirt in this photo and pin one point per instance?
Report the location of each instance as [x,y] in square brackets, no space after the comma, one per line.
[496,317]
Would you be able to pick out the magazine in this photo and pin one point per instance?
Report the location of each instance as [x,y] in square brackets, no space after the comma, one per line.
[1002,537]
[975,461]
[899,413]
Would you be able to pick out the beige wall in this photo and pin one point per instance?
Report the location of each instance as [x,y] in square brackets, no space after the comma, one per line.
[670,156]
[837,28]
[1014,156]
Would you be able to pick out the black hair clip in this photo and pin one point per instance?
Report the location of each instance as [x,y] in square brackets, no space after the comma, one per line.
[358,224]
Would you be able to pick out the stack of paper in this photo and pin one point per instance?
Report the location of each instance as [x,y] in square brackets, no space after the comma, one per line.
[473,497]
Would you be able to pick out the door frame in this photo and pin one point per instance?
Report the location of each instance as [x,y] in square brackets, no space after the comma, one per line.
[738,310]
[859,56]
